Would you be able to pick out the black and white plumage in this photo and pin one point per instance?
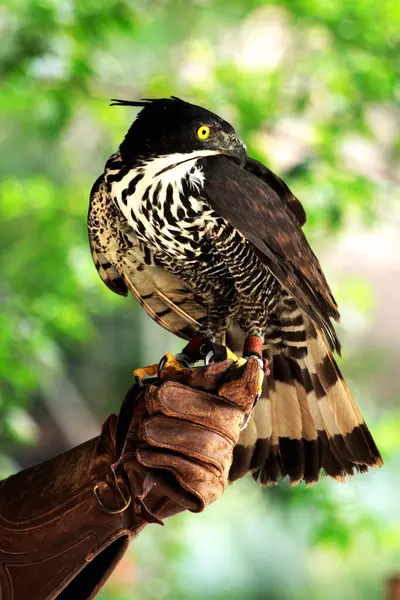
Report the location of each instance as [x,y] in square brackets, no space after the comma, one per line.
[208,239]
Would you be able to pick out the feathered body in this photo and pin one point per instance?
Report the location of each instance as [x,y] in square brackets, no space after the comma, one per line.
[205,245]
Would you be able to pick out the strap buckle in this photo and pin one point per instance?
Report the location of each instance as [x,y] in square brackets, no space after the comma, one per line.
[112,511]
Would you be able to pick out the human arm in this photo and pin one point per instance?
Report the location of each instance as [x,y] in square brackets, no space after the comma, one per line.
[65,523]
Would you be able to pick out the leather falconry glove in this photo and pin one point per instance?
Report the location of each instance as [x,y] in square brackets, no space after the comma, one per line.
[65,523]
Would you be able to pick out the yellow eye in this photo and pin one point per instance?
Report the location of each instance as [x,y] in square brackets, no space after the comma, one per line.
[203,132]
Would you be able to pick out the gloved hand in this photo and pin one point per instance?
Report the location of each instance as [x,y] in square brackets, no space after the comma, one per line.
[65,523]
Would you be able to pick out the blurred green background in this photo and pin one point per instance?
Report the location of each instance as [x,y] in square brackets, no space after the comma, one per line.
[313,87]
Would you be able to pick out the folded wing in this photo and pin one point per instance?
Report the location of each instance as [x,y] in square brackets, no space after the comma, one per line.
[263,209]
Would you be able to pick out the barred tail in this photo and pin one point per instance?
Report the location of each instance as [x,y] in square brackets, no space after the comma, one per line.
[306,421]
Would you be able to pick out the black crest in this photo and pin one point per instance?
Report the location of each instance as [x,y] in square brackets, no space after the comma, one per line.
[142,102]
[168,125]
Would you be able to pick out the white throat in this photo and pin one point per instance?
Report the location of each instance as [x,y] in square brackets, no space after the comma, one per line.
[179,160]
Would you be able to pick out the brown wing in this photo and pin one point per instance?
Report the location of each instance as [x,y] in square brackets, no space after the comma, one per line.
[264,218]
[106,270]
[166,299]
[279,187]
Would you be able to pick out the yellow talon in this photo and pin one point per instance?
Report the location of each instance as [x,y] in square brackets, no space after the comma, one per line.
[232,356]
[150,371]
[240,361]
[170,367]
[260,381]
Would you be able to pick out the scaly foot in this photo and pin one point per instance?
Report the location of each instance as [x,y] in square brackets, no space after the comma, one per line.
[240,361]
[150,371]
[168,365]
[262,371]
[236,359]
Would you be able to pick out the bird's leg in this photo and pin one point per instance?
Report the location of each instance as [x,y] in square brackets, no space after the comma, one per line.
[200,347]
[252,319]
[207,344]
[197,349]
[253,346]
[222,308]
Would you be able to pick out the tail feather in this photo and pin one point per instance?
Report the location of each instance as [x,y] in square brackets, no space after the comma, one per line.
[348,429]
[309,431]
[306,421]
[288,437]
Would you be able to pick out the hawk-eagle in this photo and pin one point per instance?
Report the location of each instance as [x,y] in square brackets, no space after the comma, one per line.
[210,242]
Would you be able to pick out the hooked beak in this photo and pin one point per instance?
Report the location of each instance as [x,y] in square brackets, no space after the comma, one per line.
[230,145]
[238,151]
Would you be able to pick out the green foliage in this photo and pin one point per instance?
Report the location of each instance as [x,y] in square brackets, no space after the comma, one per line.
[312,87]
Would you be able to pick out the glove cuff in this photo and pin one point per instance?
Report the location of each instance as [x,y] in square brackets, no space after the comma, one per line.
[64,525]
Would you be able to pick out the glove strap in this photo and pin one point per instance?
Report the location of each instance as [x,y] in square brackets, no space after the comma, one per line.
[125,418]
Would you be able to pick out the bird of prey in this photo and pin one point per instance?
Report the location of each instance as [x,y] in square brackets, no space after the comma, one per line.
[210,242]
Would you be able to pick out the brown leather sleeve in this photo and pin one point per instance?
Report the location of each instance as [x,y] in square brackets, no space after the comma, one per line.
[54,535]
[49,522]
[65,523]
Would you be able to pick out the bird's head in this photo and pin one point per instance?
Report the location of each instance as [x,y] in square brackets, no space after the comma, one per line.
[171,126]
